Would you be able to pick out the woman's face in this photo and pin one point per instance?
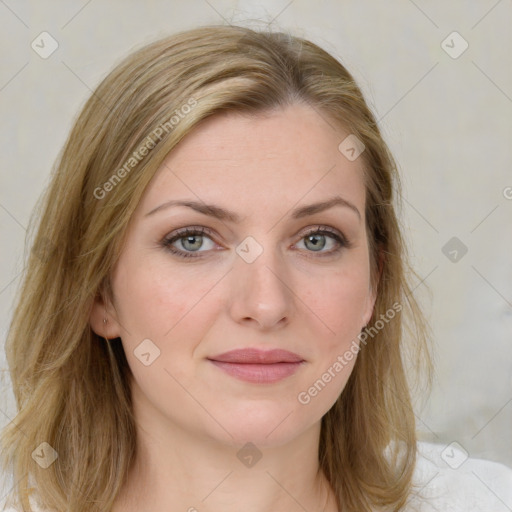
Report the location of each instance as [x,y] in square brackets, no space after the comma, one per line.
[242,268]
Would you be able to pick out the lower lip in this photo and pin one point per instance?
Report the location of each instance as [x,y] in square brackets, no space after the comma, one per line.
[258,373]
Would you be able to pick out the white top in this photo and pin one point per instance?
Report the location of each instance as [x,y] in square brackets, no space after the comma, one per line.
[445,480]
[450,481]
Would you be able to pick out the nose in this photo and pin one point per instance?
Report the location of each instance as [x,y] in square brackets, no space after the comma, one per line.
[261,292]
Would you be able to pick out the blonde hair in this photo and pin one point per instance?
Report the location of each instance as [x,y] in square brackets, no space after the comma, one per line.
[72,389]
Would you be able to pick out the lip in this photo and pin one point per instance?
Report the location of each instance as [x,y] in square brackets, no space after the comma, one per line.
[256,356]
[258,366]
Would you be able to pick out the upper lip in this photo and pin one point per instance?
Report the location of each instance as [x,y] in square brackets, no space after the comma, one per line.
[256,356]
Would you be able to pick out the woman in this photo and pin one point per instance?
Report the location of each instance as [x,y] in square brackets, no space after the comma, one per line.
[212,312]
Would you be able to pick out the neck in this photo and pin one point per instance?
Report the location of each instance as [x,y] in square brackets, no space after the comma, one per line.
[179,470]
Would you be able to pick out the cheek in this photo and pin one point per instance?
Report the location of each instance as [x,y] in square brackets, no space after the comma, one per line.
[339,307]
[152,300]
[339,301]
[157,304]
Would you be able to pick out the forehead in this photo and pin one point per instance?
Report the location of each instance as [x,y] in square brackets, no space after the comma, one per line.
[279,158]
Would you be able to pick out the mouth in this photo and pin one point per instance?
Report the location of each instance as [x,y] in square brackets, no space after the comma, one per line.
[258,366]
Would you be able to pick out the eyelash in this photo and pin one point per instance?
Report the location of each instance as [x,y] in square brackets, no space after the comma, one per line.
[193,231]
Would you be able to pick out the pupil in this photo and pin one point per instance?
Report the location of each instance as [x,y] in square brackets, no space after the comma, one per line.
[315,240]
[190,239]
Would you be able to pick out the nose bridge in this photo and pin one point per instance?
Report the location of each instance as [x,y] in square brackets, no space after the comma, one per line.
[261,289]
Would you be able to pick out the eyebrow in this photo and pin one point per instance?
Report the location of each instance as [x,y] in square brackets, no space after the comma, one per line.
[226,215]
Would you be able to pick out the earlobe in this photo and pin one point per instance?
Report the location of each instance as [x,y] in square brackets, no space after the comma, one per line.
[103,323]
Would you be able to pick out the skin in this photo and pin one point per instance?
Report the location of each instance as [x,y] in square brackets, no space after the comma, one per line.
[192,418]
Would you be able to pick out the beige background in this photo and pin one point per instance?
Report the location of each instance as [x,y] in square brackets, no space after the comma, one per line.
[448,121]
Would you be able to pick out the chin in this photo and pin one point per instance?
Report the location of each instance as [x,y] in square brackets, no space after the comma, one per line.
[265,424]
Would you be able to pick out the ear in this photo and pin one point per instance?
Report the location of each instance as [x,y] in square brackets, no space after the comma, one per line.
[370,304]
[372,291]
[103,319]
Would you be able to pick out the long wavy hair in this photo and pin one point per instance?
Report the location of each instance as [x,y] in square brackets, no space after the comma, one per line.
[71,388]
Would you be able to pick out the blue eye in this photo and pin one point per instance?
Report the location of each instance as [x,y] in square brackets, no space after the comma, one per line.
[191,240]
[317,240]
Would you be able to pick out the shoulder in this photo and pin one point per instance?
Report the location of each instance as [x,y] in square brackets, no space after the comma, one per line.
[446,478]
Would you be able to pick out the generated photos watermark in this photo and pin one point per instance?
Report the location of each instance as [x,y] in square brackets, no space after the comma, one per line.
[143,150]
[304,397]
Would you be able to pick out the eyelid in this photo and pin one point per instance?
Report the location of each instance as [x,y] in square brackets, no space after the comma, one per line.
[168,240]
[328,229]
[188,230]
